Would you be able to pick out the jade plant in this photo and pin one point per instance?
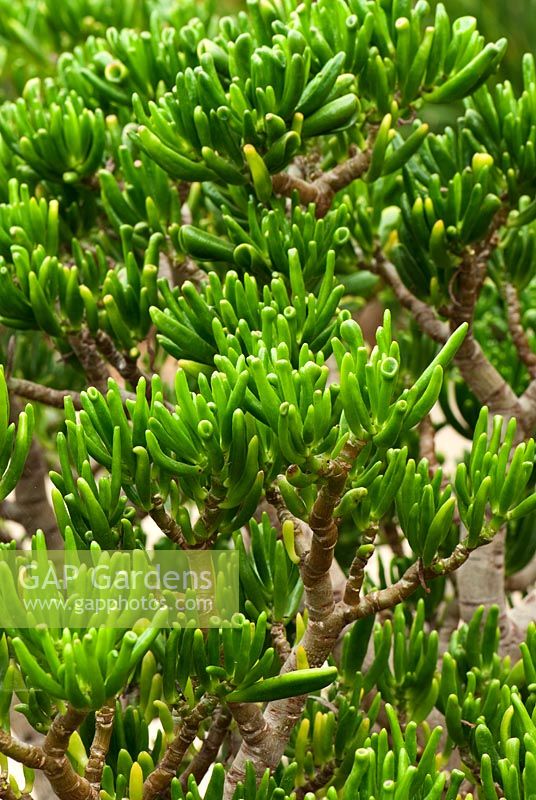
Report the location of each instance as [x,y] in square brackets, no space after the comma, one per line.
[251,290]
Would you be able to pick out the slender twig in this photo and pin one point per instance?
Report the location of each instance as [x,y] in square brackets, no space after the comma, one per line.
[43,394]
[424,315]
[86,351]
[31,491]
[167,524]
[207,755]
[393,537]
[389,597]
[356,575]
[320,779]
[479,373]
[302,531]
[104,722]
[56,397]
[517,332]
[126,366]
[166,770]
[427,446]
[322,190]
[427,450]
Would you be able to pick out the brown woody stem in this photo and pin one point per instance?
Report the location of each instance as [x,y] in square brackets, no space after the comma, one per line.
[478,372]
[56,397]
[31,492]
[265,736]
[7,793]
[104,723]
[427,446]
[322,190]
[67,784]
[280,641]
[517,332]
[27,754]
[374,602]
[85,349]
[127,367]
[159,780]
[356,575]
[43,394]
[424,315]
[210,748]
[318,781]
[167,524]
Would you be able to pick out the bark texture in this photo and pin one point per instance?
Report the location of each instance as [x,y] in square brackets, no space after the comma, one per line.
[104,723]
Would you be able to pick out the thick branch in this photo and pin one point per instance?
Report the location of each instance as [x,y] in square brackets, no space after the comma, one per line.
[481,582]
[67,784]
[256,735]
[316,566]
[104,723]
[269,733]
[517,332]
[265,736]
[29,755]
[322,190]
[207,755]
[527,404]
[479,373]
[52,758]
[159,780]
[524,579]
[302,538]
